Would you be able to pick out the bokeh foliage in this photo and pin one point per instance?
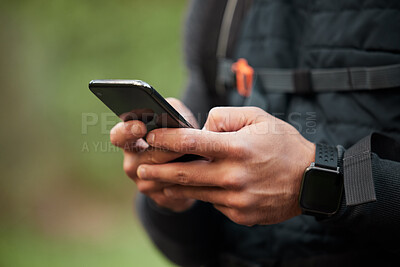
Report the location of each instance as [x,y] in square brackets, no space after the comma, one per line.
[64,198]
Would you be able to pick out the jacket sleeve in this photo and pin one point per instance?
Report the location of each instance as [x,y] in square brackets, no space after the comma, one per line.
[189,238]
[371,203]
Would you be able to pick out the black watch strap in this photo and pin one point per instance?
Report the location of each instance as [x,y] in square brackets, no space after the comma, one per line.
[326,156]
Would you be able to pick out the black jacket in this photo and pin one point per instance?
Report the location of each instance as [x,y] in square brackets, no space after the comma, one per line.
[297,34]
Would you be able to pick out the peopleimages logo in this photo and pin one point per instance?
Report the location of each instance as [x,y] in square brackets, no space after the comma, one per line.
[105,120]
[305,123]
[99,147]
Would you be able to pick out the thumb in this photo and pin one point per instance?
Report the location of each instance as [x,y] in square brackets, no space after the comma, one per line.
[231,119]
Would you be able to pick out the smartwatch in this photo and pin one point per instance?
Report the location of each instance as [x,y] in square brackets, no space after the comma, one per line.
[322,185]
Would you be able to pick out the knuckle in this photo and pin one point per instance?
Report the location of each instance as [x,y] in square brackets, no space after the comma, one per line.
[231,201]
[239,201]
[237,149]
[150,157]
[188,143]
[215,111]
[137,129]
[182,177]
[237,182]
[236,203]
[156,156]
[239,217]
[257,110]
[243,219]
[216,118]
[233,182]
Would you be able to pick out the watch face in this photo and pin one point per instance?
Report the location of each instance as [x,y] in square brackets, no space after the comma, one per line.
[321,190]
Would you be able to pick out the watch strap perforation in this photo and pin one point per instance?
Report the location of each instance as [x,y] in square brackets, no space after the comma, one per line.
[326,156]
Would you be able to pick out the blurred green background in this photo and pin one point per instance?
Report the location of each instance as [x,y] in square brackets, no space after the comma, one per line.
[64,198]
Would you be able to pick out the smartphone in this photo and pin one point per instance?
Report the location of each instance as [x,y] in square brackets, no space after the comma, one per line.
[137,100]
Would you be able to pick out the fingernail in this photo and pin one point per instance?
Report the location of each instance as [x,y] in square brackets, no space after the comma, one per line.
[168,192]
[150,138]
[141,172]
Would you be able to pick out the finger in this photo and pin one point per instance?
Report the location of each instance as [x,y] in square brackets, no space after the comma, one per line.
[176,205]
[127,133]
[132,160]
[194,173]
[206,194]
[157,156]
[148,187]
[229,119]
[145,187]
[193,141]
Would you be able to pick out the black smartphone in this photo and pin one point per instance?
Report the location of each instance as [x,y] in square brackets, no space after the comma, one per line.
[137,100]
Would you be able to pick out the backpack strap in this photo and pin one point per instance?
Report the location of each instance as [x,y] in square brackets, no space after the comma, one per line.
[234,13]
[302,81]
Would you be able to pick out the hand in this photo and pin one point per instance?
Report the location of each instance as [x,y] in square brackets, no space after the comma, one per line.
[129,136]
[254,168]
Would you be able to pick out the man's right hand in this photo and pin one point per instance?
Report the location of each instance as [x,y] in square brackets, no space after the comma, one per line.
[129,136]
